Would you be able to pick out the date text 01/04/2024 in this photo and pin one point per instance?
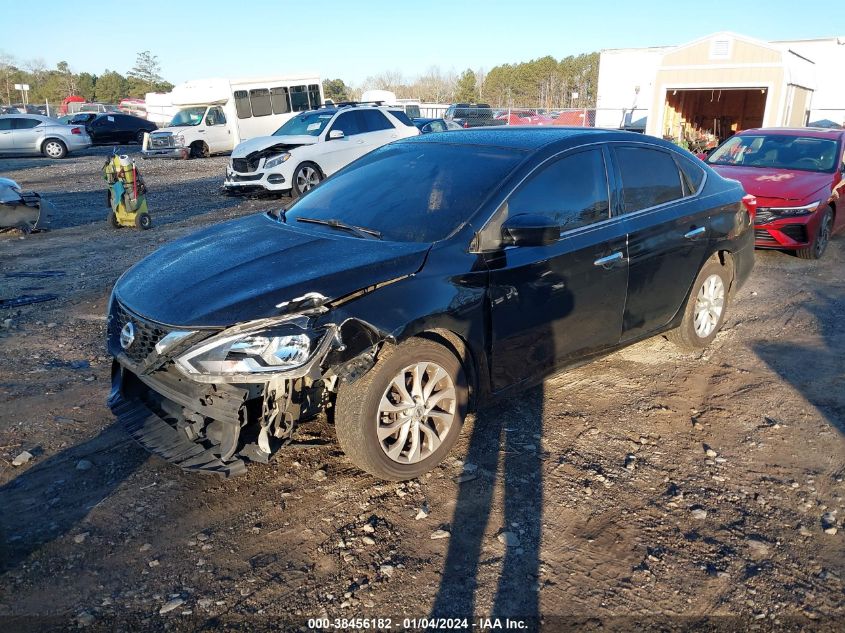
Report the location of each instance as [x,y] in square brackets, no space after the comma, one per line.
[382,624]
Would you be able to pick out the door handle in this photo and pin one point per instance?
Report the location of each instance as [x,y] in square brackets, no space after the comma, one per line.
[610,259]
[691,235]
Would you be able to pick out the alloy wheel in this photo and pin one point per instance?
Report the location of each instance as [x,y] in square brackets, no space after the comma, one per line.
[823,236]
[416,412]
[307,179]
[709,303]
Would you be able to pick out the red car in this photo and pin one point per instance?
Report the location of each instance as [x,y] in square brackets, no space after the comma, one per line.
[792,172]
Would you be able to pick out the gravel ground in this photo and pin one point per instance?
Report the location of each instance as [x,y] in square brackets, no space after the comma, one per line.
[651,489]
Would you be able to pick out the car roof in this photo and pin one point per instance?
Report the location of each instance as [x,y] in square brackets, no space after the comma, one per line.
[812,132]
[22,115]
[526,137]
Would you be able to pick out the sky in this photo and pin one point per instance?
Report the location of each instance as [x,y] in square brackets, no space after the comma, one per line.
[352,40]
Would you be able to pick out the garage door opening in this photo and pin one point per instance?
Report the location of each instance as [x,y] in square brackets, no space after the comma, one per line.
[703,118]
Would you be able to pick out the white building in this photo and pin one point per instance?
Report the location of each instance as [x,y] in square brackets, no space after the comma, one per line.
[716,85]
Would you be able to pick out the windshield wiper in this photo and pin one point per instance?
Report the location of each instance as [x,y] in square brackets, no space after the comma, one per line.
[360,231]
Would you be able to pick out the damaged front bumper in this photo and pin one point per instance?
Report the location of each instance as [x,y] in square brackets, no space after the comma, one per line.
[214,425]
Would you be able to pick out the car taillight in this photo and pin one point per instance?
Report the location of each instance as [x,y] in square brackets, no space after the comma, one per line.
[750,204]
[466,124]
[76,130]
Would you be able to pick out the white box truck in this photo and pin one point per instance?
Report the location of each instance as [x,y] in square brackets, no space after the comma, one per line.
[214,115]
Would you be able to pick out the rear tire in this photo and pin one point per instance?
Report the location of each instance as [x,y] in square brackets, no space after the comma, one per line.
[705,309]
[143,221]
[821,240]
[113,220]
[54,148]
[425,413]
[139,137]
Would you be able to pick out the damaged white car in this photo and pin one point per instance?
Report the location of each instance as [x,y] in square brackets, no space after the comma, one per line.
[312,146]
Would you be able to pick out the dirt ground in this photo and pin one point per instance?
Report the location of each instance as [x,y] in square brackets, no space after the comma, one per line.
[649,489]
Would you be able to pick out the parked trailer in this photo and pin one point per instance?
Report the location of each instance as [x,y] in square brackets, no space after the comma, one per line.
[216,114]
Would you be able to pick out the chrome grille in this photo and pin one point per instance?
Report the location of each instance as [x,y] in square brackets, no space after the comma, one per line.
[158,141]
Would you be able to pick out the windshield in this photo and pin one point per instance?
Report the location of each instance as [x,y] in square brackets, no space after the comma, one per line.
[410,192]
[310,123]
[777,151]
[188,116]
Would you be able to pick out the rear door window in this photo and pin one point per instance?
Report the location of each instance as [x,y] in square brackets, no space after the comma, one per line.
[403,118]
[25,124]
[571,190]
[650,177]
[372,121]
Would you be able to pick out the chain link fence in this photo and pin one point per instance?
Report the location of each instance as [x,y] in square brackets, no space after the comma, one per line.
[484,115]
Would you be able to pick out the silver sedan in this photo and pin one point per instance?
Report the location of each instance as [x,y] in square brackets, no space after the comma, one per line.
[36,134]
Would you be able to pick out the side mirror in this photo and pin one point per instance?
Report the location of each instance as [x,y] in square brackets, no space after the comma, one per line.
[527,229]
[336,134]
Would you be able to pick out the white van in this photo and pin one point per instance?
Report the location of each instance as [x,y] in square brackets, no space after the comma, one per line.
[216,114]
[388,98]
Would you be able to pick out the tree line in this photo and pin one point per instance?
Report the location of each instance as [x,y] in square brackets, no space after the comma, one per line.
[543,83]
[53,85]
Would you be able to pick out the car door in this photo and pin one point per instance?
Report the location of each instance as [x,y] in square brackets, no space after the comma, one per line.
[101,129]
[336,153]
[552,304]
[668,233]
[26,134]
[6,134]
[218,136]
[377,129]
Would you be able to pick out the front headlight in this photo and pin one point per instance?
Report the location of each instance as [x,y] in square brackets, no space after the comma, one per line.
[258,352]
[178,141]
[269,163]
[792,211]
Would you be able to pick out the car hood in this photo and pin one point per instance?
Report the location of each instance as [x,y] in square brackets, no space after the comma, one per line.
[242,270]
[284,142]
[784,184]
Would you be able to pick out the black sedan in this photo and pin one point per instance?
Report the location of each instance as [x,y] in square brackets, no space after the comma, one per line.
[112,127]
[415,284]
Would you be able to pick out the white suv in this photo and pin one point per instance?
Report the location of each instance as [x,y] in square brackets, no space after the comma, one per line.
[312,146]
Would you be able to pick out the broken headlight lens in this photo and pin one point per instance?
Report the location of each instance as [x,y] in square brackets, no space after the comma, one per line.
[275,161]
[263,351]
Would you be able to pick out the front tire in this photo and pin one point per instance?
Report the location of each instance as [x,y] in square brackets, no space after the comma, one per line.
[821,240]
[305,178]
[199,150]
[54,148]
[402,417]
[139,137]
[705,309]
